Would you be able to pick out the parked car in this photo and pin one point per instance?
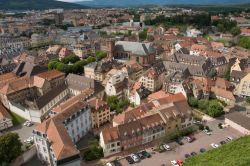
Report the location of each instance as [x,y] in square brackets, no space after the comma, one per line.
[214,145]
[140,155]
[130,160]
[161,149]
[108,164]
[28,123]
[197,122]
[116,163]
[167,147]
[202,150]
[135,158]
[30,140]
[193,153]
[228,139]
[187,155]
[146,154]
[174,163]
[178,141]
[207,132]
[223,142]
[179,162]
[190,139]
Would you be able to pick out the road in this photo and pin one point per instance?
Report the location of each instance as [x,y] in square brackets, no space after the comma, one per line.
[202,141]
[24,132]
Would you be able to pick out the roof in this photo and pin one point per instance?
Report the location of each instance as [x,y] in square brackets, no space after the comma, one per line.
[110,134]
[57,134]
[97,104]
[3,112]
[223,93]
[79,83]
[239,119]
[50,75]
[29,69]
[136,48]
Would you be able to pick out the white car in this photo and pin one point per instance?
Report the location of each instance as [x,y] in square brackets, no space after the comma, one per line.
[108,164]
[167,147]
[207,132]
[214,145]
[28,123]
[229,138]
[174,163]
[135,158]
[29,140]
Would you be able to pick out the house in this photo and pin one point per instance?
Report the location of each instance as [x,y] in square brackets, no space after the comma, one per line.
[53,49]
[137,93]
[243,88]
[98,70]
[193,33]
[143,53]
[29,69]
[5,118]
[56,137]
[146,123]
[238,121]
[196,65]
[100,112]
[134,70]
[153,78]
[245,31]
[64,52]
[117,85]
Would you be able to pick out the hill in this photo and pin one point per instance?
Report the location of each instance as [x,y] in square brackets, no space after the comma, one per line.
[36,5]
[125,3]
[232,154]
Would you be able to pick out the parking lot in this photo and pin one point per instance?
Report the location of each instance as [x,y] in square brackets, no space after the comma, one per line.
[178,152]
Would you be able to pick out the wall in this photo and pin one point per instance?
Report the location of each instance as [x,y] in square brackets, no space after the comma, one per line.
[25,157]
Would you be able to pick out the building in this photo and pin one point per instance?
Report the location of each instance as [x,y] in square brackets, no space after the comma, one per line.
[55,138]
[143,53]
[145,123]
[243,88]
[238,121]
[33,97]
[100,112]
[59,18]
[117,85]
[193,33]
[5,118]
[153,78]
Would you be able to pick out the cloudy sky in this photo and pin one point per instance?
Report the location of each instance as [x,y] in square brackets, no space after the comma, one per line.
[72,0]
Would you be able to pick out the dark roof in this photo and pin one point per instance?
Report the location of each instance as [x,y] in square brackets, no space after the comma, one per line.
[45,99]
[239,119]
[29,69]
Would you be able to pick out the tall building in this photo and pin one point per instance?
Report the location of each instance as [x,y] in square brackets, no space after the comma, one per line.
[59,17]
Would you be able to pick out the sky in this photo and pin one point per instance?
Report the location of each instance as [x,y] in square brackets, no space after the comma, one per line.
[71,0]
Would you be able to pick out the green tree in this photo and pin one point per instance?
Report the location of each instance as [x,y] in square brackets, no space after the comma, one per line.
[245,42]
[192,101]
[235,31]
[143,35]
[10,147]
[248,100]
[203,105]
[52,64]
[215,109]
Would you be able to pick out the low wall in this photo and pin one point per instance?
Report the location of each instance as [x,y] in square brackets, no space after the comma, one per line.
[25,157]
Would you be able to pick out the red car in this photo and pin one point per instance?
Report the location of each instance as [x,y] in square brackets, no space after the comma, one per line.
[179,162]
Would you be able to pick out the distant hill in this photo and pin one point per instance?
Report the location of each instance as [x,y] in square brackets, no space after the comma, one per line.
[125,3]
[37,5]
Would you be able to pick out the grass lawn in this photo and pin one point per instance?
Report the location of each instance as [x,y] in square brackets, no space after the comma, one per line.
[231,154]
[16,119]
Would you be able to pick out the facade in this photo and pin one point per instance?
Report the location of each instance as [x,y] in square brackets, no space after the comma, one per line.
[100,112]
[5,118]
[243,88]
[56,137]
[145,123]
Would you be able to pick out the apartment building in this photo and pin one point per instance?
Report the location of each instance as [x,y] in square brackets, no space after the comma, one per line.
[100,112]
[243,88]
[56,137]
[5,118]
[145,123]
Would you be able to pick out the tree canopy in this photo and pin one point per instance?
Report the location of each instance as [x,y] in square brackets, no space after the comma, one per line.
[10,148]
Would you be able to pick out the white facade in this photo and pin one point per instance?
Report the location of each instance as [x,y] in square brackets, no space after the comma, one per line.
[109,148]
[5,123]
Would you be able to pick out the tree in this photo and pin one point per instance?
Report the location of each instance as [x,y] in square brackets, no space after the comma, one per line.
[143,35]
[245,42]
[235,31]
[203,105]
[52,64]
[212,73]
[215,109]
[248,100]
[192,101]
[227,74]
[10,147]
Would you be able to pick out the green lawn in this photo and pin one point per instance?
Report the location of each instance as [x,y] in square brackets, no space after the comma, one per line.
[233,154]
[16,119]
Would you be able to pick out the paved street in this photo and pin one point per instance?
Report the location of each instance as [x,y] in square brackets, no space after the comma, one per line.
[24,132]
[202,141]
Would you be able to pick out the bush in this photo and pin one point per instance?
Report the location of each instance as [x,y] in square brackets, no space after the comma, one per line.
[93,153]
[201,127]
[192,101]
[248,100]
